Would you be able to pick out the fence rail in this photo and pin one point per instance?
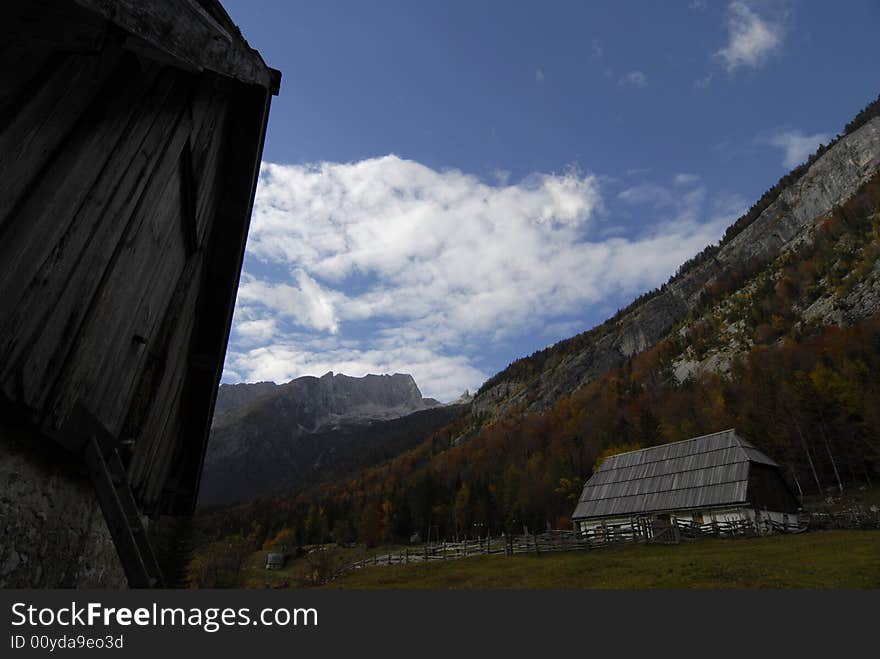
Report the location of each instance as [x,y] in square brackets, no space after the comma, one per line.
[639,530]
[855,518]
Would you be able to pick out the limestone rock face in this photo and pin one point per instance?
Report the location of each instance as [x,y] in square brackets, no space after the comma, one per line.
[831,180]
[232,396]
[313,403]
[269,438]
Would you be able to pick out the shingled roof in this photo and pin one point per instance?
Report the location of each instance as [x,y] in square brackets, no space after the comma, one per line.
[708,471]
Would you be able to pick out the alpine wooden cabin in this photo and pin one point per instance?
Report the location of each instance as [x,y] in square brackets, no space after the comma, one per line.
[131,134]
[714,478]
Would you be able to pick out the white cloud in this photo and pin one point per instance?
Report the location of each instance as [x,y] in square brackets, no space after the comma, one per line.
[306,302]
[398,267]
[539,75]
[751,38]
[685,179]
[797,147]
[633,79]
[647,193]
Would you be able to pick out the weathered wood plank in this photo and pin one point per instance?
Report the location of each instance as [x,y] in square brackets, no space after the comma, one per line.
[206,163]
[244,136]
[109,317]
[23,73]
[151,445]
[52,305]
[184,31]
[165,367]
[163,261]
[29,140]
[53,25]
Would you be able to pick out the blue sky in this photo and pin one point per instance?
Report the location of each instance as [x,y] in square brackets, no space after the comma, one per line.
[450,186]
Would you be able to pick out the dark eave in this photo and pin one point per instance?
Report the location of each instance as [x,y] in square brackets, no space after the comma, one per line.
[242,154]
[194,35]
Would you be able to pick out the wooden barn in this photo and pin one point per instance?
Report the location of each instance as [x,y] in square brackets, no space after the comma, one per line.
[714,478]
[131,134]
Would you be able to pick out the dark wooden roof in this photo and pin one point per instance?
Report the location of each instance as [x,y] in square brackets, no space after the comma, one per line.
[197,35]
[707,471]
[131,135]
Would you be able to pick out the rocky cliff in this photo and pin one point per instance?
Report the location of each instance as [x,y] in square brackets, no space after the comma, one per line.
[234,396]
[268,437]
[829,180]
[313,403]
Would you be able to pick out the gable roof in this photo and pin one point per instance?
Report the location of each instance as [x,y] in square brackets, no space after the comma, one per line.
[712,470]
[196,35]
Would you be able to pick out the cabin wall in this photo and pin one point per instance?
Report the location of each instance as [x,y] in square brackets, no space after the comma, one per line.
[109,166]
[52,531]
[703,516]
[127,174]
[761,518]
[769,491]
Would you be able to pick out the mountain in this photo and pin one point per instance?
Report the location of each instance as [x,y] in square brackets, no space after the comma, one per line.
[775,331]
[784,218]
[232,396]
[314,402]
[268,437]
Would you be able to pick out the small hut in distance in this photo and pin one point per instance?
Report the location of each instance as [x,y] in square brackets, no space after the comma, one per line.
[713,478]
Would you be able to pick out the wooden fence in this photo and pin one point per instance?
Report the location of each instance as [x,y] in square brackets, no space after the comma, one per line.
[553,541]
[854,518]
[639,530]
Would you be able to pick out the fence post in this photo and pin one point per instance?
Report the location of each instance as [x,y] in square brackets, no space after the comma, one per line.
[406,556]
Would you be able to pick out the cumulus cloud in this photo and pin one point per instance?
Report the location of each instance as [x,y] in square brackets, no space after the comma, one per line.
[395,266]
[306,302]
[751,38]
[797,147]
[633,79]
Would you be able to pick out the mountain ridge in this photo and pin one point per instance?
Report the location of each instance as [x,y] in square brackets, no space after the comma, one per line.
[775,332]
[282,435]
[829,178]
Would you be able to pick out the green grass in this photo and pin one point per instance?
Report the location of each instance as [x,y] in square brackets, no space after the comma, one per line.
[827,559]
[255,575]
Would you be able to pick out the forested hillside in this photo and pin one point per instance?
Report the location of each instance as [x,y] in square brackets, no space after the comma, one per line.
[784,346]
[780,218]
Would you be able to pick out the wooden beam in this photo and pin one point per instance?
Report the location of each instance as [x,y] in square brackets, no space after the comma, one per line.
[243,146]
[186,33]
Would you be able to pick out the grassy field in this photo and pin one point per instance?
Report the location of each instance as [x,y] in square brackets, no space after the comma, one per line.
[295,573]
[826,559]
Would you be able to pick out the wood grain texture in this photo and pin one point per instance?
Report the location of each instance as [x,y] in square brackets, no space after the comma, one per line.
[130,140]
[186,32]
